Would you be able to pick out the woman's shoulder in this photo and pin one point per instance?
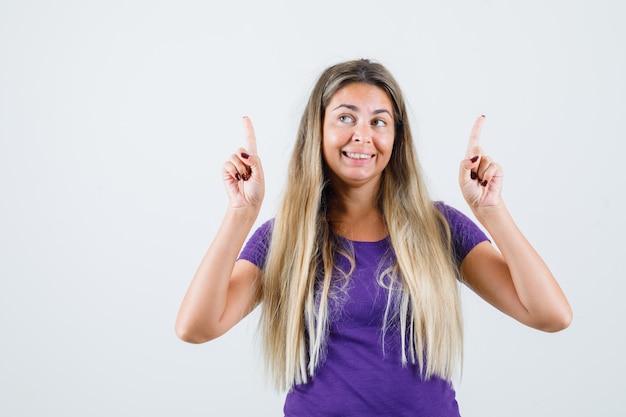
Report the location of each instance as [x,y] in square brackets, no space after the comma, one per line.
[255,249]
[465,233]
[449,212]
[455,217]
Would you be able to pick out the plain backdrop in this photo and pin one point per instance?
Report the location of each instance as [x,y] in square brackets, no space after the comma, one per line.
[115,120]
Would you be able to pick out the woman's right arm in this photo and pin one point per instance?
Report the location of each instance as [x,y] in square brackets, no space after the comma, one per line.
[223,290]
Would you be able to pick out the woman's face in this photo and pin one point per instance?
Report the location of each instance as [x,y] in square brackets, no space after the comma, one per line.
[358,135]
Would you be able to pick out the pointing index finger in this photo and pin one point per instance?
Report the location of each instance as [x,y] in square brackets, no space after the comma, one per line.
[249,136]
[474,139]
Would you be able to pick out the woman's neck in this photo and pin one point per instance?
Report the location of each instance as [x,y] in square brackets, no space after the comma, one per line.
[356,217]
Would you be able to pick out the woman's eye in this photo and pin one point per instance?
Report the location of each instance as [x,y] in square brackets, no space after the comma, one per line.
[346,119]
[379,123]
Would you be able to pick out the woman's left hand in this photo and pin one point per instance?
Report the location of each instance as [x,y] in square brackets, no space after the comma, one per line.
[510,275]
[480,178]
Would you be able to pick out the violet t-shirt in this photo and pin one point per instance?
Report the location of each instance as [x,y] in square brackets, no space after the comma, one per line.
[362,374]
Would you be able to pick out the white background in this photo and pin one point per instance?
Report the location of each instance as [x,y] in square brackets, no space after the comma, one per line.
[116,117]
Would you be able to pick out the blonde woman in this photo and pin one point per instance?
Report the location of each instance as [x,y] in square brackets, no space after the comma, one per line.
[358,272]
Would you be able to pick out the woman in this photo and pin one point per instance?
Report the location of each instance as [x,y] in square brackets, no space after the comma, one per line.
[357,274]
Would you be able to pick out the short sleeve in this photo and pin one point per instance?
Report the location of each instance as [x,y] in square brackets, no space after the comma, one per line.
[255,249]
[465,233]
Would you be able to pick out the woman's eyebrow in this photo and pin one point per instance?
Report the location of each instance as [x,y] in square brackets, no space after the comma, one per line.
[348,106]
[382,111]
[355,108]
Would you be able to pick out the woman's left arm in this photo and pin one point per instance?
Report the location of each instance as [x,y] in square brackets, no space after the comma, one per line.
[515,280]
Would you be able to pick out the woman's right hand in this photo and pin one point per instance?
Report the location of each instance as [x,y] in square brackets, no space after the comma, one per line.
[243,173]
[223,290]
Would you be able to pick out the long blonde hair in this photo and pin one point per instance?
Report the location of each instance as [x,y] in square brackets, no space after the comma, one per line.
[297,274]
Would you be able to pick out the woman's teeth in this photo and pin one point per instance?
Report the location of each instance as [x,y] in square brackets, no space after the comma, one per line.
[354,155]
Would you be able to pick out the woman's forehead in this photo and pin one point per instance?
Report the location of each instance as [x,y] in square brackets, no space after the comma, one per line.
[363,96]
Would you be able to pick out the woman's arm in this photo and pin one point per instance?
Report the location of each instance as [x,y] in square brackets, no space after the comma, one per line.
[223,290]
[515,280]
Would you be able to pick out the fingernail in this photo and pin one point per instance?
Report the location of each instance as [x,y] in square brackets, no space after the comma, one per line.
[238,177]
[483,116]
[245,155]
[484,183]
[473,175]
[474,159]
[245,177]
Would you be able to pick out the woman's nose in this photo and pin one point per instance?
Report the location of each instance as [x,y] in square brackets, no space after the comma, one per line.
[362,133]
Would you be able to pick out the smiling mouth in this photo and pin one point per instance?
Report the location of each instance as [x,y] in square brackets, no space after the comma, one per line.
[354,155]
